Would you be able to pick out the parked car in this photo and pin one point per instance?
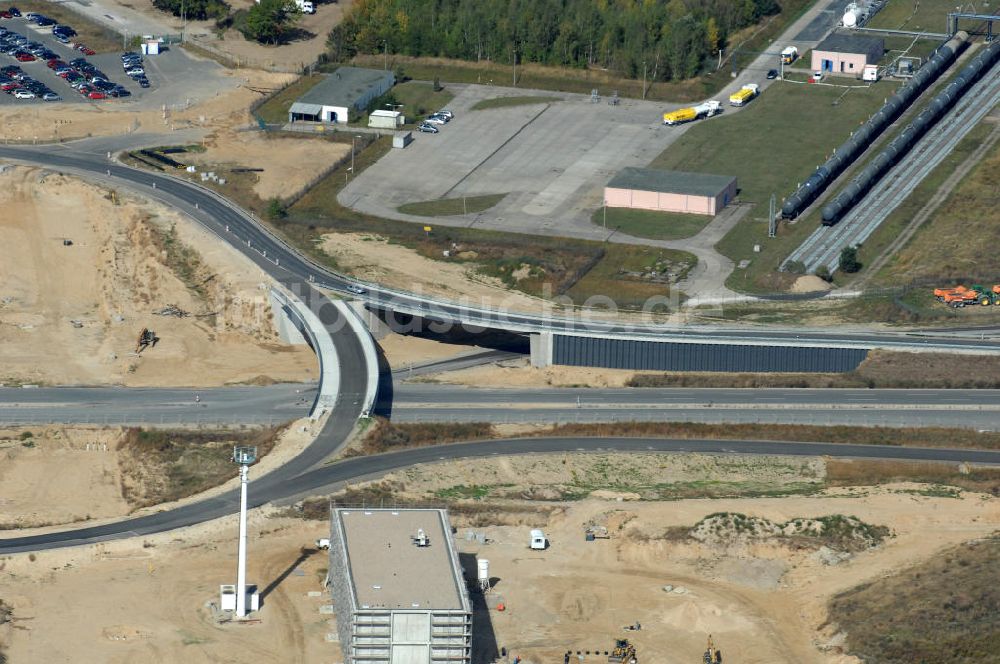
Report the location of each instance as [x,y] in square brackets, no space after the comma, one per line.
[24,56]
[817,76]
[24,94]
[772,74]
[51,96]
[436,119]
[427,128]
[446,113]
[6,14]
[135,72]
[96,94]
[14,11]
[143,82]
[65,30]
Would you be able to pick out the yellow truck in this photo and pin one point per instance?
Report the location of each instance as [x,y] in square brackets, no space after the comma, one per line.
[744,94]
[682,115]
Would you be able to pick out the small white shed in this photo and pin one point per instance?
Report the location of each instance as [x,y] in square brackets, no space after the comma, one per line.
[383,119]
[538,540]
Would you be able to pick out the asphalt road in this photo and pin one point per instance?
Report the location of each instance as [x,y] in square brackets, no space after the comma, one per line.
[268,405]
[247,235]
[327,478]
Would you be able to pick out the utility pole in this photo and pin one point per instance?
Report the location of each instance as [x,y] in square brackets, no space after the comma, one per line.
[513,61]
[244,456]
[385,43]
[643,79]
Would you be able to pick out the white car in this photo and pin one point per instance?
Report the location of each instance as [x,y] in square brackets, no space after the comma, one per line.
[357,290]
[817,76]
[24,94]
[437,119]
[446,113]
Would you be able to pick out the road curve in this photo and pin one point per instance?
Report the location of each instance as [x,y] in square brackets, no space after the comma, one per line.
[328,477]
[249,236]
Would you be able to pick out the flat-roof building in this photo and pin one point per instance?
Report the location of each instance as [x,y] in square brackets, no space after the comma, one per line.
[847,54]
[670,191]
[397,588]
[334,98]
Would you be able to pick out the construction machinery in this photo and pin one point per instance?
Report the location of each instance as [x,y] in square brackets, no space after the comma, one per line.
[147,339]
[712,654]
[623,653]
[977,295]
[682,115]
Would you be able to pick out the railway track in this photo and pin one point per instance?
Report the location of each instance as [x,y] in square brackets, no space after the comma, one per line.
[823,247]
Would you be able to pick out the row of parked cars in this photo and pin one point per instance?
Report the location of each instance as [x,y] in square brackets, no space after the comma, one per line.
[132,64]
[84,77]
[16,83]
[432,122]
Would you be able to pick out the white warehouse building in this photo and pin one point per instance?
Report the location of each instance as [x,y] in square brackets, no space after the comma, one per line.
[346,91]
[397,588]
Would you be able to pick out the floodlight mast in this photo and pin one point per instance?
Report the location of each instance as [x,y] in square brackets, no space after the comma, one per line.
[243,456]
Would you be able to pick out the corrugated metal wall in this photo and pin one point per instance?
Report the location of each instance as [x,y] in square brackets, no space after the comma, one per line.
[666,356]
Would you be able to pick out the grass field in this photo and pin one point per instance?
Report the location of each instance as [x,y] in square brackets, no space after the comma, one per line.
[943,611]
[506,102]
[791,144]
[651,224]
[445,207]
[917,15]
[94,35]
[275,109]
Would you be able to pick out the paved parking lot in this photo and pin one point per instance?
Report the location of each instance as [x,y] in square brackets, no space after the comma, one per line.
[176,79]
[552,159]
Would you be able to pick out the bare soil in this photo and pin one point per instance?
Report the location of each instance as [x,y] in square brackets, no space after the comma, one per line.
[289,164]
[763,601]
[71,314]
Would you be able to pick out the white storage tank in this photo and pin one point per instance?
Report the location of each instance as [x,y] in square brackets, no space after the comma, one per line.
[538,540]
[483,567]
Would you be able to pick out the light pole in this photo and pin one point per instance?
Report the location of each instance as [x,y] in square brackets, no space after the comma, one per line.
[244,456]
[385,44]
[353,138]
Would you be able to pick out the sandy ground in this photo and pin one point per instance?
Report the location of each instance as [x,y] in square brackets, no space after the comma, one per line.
[289,164]
[520,373]
[63,475]
[763,603]
[374,258]
[402,351]
[810,283]
[109,282]
[145,601]
[229,107]
[59,475]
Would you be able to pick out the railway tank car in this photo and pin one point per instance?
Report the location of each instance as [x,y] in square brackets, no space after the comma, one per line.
[859,187]
[851,149]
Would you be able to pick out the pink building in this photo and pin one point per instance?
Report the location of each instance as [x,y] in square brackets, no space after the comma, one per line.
[670,191]
[847,55]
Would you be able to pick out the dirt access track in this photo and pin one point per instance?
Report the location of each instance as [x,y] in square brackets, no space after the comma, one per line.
[71,313]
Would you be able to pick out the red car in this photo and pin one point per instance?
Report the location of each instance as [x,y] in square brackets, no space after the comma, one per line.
[86,50]
[96,94]
[24,56]
[54,62]
[6,14]
[10,85]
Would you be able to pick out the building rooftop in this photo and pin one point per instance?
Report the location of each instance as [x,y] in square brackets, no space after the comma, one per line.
[388,570]
[848,43]
[344,86]
[670,182]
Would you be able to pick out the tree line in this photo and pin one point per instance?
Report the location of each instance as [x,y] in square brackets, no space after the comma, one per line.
[670,40]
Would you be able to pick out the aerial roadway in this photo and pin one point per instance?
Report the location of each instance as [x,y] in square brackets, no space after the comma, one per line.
[284,486]
[283,262]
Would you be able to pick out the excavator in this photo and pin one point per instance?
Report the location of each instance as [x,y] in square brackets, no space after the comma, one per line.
[623,653]
[712,654]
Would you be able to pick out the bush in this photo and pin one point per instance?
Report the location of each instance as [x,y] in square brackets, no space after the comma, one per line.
[198,10]
[276,209]
[849,260]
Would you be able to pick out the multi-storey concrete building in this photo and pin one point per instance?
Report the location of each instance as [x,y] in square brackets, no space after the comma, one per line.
[397,588]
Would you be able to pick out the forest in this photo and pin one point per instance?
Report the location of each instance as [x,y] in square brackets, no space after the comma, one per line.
[670,40]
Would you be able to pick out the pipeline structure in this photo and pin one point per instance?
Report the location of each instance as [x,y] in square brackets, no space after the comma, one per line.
[859,141]
[901,144]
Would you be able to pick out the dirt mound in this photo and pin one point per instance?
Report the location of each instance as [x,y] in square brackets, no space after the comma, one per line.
[809,283]
[838,532]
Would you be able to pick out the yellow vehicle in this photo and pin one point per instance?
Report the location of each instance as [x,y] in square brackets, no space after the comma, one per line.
[744,94]
[705,110]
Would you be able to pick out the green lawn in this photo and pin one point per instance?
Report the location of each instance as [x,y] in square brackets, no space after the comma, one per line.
[918,15]
[419,99]
[445,207]
[770,147]
[650,224]
[275,109]
[505,102]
